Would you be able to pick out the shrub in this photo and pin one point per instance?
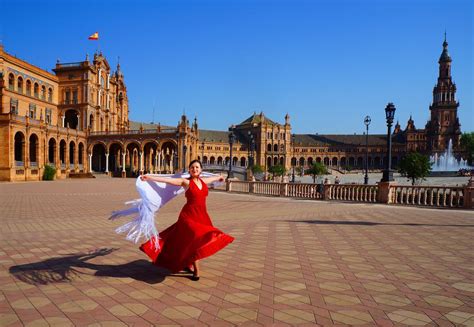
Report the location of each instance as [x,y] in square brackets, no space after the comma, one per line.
[49,173]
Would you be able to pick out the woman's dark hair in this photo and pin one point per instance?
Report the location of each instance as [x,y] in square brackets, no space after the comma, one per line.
[195,160]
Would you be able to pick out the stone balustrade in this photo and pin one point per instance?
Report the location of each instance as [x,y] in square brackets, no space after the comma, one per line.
[352,192]
[431,196]
[389,193]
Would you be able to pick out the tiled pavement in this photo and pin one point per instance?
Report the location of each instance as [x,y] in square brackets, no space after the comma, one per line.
[293,262]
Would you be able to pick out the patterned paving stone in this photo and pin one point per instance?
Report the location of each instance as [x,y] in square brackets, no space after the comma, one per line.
[292,262]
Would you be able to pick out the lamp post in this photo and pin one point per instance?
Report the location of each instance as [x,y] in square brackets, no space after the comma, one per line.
[175,159]
[389,115]
[367,121]
[231,144]
[252,150]
[202,156]
[184,157]
[291,160]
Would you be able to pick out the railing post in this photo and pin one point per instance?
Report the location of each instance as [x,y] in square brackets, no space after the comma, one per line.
[385,192]
[283,188]
[469,194]
[326,192]
[228,185]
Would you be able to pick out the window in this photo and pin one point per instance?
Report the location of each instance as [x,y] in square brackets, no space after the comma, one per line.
[14,106]
[43,92]
[50,95]
[32,112]
[48,116]
[11,82]
[36,90]
[28,87]
[67,97]
[74,96]
[20,85]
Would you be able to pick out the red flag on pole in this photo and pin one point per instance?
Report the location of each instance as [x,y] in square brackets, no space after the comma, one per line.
[94,36]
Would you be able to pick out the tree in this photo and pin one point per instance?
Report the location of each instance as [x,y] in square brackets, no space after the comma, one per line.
[467,143]
[277,170]
[317,169]
[415,166]
[257,169]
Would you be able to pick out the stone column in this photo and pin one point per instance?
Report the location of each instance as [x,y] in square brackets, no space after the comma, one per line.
[107,163]
[140,163]
[90,163]
[124,172]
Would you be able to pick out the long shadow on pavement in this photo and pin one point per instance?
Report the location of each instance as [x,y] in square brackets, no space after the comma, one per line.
[368,223]
[64,269]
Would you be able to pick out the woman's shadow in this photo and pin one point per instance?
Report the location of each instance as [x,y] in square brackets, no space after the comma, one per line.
[64,269]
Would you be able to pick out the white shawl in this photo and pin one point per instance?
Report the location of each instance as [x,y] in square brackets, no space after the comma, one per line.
[154,195]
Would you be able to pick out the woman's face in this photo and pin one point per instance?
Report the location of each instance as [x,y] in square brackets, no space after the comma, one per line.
[195,169]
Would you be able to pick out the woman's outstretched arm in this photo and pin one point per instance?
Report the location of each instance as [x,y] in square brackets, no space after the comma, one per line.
[209,180]
[172,181]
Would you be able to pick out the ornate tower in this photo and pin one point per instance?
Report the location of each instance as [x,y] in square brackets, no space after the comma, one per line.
[444,122]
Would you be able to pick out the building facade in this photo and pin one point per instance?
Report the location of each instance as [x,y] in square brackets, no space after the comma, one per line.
[77,121]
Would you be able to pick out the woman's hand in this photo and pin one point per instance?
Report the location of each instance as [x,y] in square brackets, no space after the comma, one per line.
[221,179]
[144,178]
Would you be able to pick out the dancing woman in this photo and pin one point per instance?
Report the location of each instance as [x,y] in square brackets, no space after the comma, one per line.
[192,237]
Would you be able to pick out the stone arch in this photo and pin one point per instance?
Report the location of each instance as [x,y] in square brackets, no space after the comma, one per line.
[80,154]
[212,160]
[169,158]
[72,154]
[52,151]
[243,162]
[293,161]
[334,162]
[34,150]
[310,161]
[71,119]
[98,157]
[269,162]
[282,161]
[19,149]
[302,161]
[62,153]
[326,161]
[219,160]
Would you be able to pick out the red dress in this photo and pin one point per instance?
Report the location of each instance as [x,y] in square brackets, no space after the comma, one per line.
[191,238]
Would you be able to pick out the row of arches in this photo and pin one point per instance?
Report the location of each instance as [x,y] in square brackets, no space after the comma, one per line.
[58,154]
[359,162]
[19,85]
[133,157]
[212,160]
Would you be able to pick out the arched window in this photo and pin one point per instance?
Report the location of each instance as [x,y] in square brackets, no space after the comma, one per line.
[11,82]
[43,92]
[28,87]
[275,147]
[269,147]
[80,153]
[36,90]
[243,162]
[50,95]
[19,85]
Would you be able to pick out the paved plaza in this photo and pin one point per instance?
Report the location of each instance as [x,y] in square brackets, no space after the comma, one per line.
[292,262]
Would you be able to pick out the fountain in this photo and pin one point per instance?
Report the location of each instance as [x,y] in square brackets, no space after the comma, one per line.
[446,162]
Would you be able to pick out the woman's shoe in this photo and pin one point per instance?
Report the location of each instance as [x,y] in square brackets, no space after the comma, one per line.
[188,270]
[195,278]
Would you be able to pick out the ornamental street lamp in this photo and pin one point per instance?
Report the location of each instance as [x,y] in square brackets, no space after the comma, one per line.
[202,156]
[251,148]
[230,174]
[184,157]
[389,115]
[367,121]
[293,152]
[175,159]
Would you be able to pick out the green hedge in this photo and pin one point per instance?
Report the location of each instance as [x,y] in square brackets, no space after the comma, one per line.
[49,173]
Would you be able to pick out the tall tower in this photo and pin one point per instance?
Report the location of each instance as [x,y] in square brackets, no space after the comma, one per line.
[444,122]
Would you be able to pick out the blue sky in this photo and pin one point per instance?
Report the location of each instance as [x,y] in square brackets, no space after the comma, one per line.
[327,64]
